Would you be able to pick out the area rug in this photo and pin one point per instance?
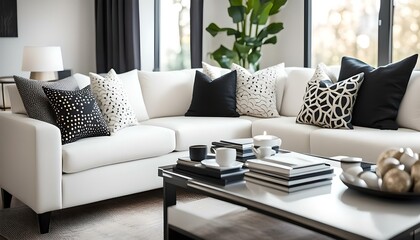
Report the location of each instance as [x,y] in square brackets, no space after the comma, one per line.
[138,216]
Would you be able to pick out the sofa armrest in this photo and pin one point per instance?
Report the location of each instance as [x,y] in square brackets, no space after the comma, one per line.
[30,161]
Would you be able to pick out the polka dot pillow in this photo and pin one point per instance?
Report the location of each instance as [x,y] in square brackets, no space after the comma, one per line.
[113,101]
[77,114]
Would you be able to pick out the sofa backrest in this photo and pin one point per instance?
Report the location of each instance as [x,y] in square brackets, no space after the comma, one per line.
[294,89]
[167,93]
[131,86]
[409,111]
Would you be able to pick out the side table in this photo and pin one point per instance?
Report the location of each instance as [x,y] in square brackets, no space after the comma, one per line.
[5,102]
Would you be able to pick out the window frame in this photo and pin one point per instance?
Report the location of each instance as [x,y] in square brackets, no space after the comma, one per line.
[196,26]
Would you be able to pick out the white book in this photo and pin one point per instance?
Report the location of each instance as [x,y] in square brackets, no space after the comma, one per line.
[286,166]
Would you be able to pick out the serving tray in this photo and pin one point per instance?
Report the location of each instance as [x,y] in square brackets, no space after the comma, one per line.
[379,193]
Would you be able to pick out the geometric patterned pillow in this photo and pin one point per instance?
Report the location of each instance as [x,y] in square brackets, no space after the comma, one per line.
[256,93]
[113,101]
[327,104]
[77,113]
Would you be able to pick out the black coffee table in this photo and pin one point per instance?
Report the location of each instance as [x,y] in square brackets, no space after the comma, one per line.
[332,210]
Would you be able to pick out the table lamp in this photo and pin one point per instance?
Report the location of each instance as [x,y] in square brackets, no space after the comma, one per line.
[42,62]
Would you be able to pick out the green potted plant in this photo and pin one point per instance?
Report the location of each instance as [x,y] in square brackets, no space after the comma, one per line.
[253,30]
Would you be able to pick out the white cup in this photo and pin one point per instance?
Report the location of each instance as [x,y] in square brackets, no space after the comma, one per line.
[225,157]
[263,152]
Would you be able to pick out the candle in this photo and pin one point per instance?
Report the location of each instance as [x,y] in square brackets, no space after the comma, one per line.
[266,140]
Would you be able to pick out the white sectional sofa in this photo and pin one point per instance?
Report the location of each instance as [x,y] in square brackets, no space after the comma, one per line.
[47,176]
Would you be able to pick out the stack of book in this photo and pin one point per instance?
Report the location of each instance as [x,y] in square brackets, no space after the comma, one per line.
[215,175]
[289,174]
[243,147]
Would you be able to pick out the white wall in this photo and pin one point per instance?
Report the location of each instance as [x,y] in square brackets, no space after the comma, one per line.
[71,25]
[289,47]
[66,23]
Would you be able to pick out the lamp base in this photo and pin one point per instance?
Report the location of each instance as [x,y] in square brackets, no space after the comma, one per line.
[43,76]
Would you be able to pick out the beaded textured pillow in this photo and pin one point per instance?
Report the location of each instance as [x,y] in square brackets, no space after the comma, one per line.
[77,114]
[34,99]
[327,104]
[113,101]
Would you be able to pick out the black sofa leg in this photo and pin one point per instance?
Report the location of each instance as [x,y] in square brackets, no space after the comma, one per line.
[6,197]
[44,222]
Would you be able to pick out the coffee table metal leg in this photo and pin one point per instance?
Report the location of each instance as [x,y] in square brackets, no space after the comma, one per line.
[169,199]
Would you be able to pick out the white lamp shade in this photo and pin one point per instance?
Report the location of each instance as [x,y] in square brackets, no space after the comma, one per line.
[42,59]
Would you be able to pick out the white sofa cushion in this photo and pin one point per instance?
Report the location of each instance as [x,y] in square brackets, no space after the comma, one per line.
[203,130]
[132,143]
[82,80]
[167,93]
[363,142]
[15,100]
[409,111]
[295,136]
[132,87]
[294,90]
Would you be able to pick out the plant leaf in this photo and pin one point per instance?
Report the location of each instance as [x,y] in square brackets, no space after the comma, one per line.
[243,50]
[250,5]
[237,13]
[274,28]
[254,59]
[235,2]
[255,12]
[224,56]
[264,13]
[262,34]
[272,40]
[277,4]
[213,29]
[251,41]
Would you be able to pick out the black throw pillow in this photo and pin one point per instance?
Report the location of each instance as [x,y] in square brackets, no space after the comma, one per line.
[77,113]
[215,98]
[381,93]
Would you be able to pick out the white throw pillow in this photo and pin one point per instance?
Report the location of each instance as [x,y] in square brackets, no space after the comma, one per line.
[167,93]
[113,101]
[409,111]
[132,87]
[214,72]
[256,93]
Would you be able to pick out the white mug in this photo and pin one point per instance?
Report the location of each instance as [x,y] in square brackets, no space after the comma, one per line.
[225,157]
[263,152]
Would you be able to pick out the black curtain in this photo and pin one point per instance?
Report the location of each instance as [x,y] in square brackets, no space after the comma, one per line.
[196,41]
[117,35]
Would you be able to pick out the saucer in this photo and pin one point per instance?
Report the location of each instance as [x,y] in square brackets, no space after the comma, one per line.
[211,163]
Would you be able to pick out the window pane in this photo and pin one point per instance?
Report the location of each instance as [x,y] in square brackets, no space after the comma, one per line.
[406,29]
[344,28]
[175,35]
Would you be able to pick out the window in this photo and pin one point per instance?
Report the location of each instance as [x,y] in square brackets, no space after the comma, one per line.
[174,35]
[343,27]
[406,29]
